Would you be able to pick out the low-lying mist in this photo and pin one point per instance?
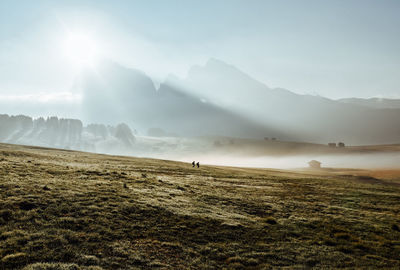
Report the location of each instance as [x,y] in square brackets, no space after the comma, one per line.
[279,155]
[213,150]
[355,161]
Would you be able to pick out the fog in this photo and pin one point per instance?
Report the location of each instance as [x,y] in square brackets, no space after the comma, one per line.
[64,104]
[284,155]
[213,150]
[299,46]
[213,94]
[208,156]
[359,161]
[215,99]
[177,88]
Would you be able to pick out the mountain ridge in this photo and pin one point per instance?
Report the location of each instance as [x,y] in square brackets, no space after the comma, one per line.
[220,99]
[307,117]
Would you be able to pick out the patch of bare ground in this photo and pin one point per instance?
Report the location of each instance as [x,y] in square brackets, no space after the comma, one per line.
[74,210]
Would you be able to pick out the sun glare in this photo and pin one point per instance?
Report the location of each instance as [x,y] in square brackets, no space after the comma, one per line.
[80,49]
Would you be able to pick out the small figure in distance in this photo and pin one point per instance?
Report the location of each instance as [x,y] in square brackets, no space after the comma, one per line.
[193,163]
[198,164]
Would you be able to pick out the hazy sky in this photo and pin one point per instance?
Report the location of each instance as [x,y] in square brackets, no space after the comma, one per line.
[331,48]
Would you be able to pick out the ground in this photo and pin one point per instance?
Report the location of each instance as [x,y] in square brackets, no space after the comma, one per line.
[74,210]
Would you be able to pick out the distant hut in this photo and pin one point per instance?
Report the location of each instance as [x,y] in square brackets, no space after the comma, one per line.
[332,144]
[341,144]
[273,139]
[217,143]
[314,164]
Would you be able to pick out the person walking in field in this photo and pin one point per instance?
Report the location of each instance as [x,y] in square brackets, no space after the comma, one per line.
[198,164]
[193,163]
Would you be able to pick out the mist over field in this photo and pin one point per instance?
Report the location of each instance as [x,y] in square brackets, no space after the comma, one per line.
[120,139]
[206,117]
[173,92]
[361,161]
[182,134]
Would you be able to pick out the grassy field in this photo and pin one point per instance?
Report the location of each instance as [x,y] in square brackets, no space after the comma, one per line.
[73,210]
[258,147]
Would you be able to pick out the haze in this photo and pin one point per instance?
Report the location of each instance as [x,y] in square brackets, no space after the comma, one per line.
[176,79]
[336,49]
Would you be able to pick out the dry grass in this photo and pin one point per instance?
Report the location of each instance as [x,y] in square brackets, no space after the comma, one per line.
[73,210]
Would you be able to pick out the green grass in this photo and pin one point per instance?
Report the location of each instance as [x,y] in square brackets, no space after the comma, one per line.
[73,210]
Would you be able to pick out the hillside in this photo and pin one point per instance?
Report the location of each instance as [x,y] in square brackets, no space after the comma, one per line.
[276,147]
[63,209]
[376,103]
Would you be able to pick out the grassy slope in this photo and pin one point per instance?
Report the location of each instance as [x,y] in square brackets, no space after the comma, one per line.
[89,211]
[257,147]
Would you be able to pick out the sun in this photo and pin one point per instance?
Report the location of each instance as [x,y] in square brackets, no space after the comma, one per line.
[80,49]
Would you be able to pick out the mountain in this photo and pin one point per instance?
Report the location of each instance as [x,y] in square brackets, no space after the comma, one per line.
[376,103]
[115,92]
[219,99]
[306,117]
[66,134]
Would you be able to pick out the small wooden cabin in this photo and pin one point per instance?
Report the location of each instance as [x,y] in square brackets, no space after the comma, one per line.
[314,164]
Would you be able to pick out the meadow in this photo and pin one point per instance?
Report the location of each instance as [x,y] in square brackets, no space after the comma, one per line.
[62,209]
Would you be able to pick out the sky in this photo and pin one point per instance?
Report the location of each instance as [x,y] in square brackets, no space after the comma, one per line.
[335,49]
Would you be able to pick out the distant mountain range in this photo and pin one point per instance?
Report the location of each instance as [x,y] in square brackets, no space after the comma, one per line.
[115,92]
[219,99]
